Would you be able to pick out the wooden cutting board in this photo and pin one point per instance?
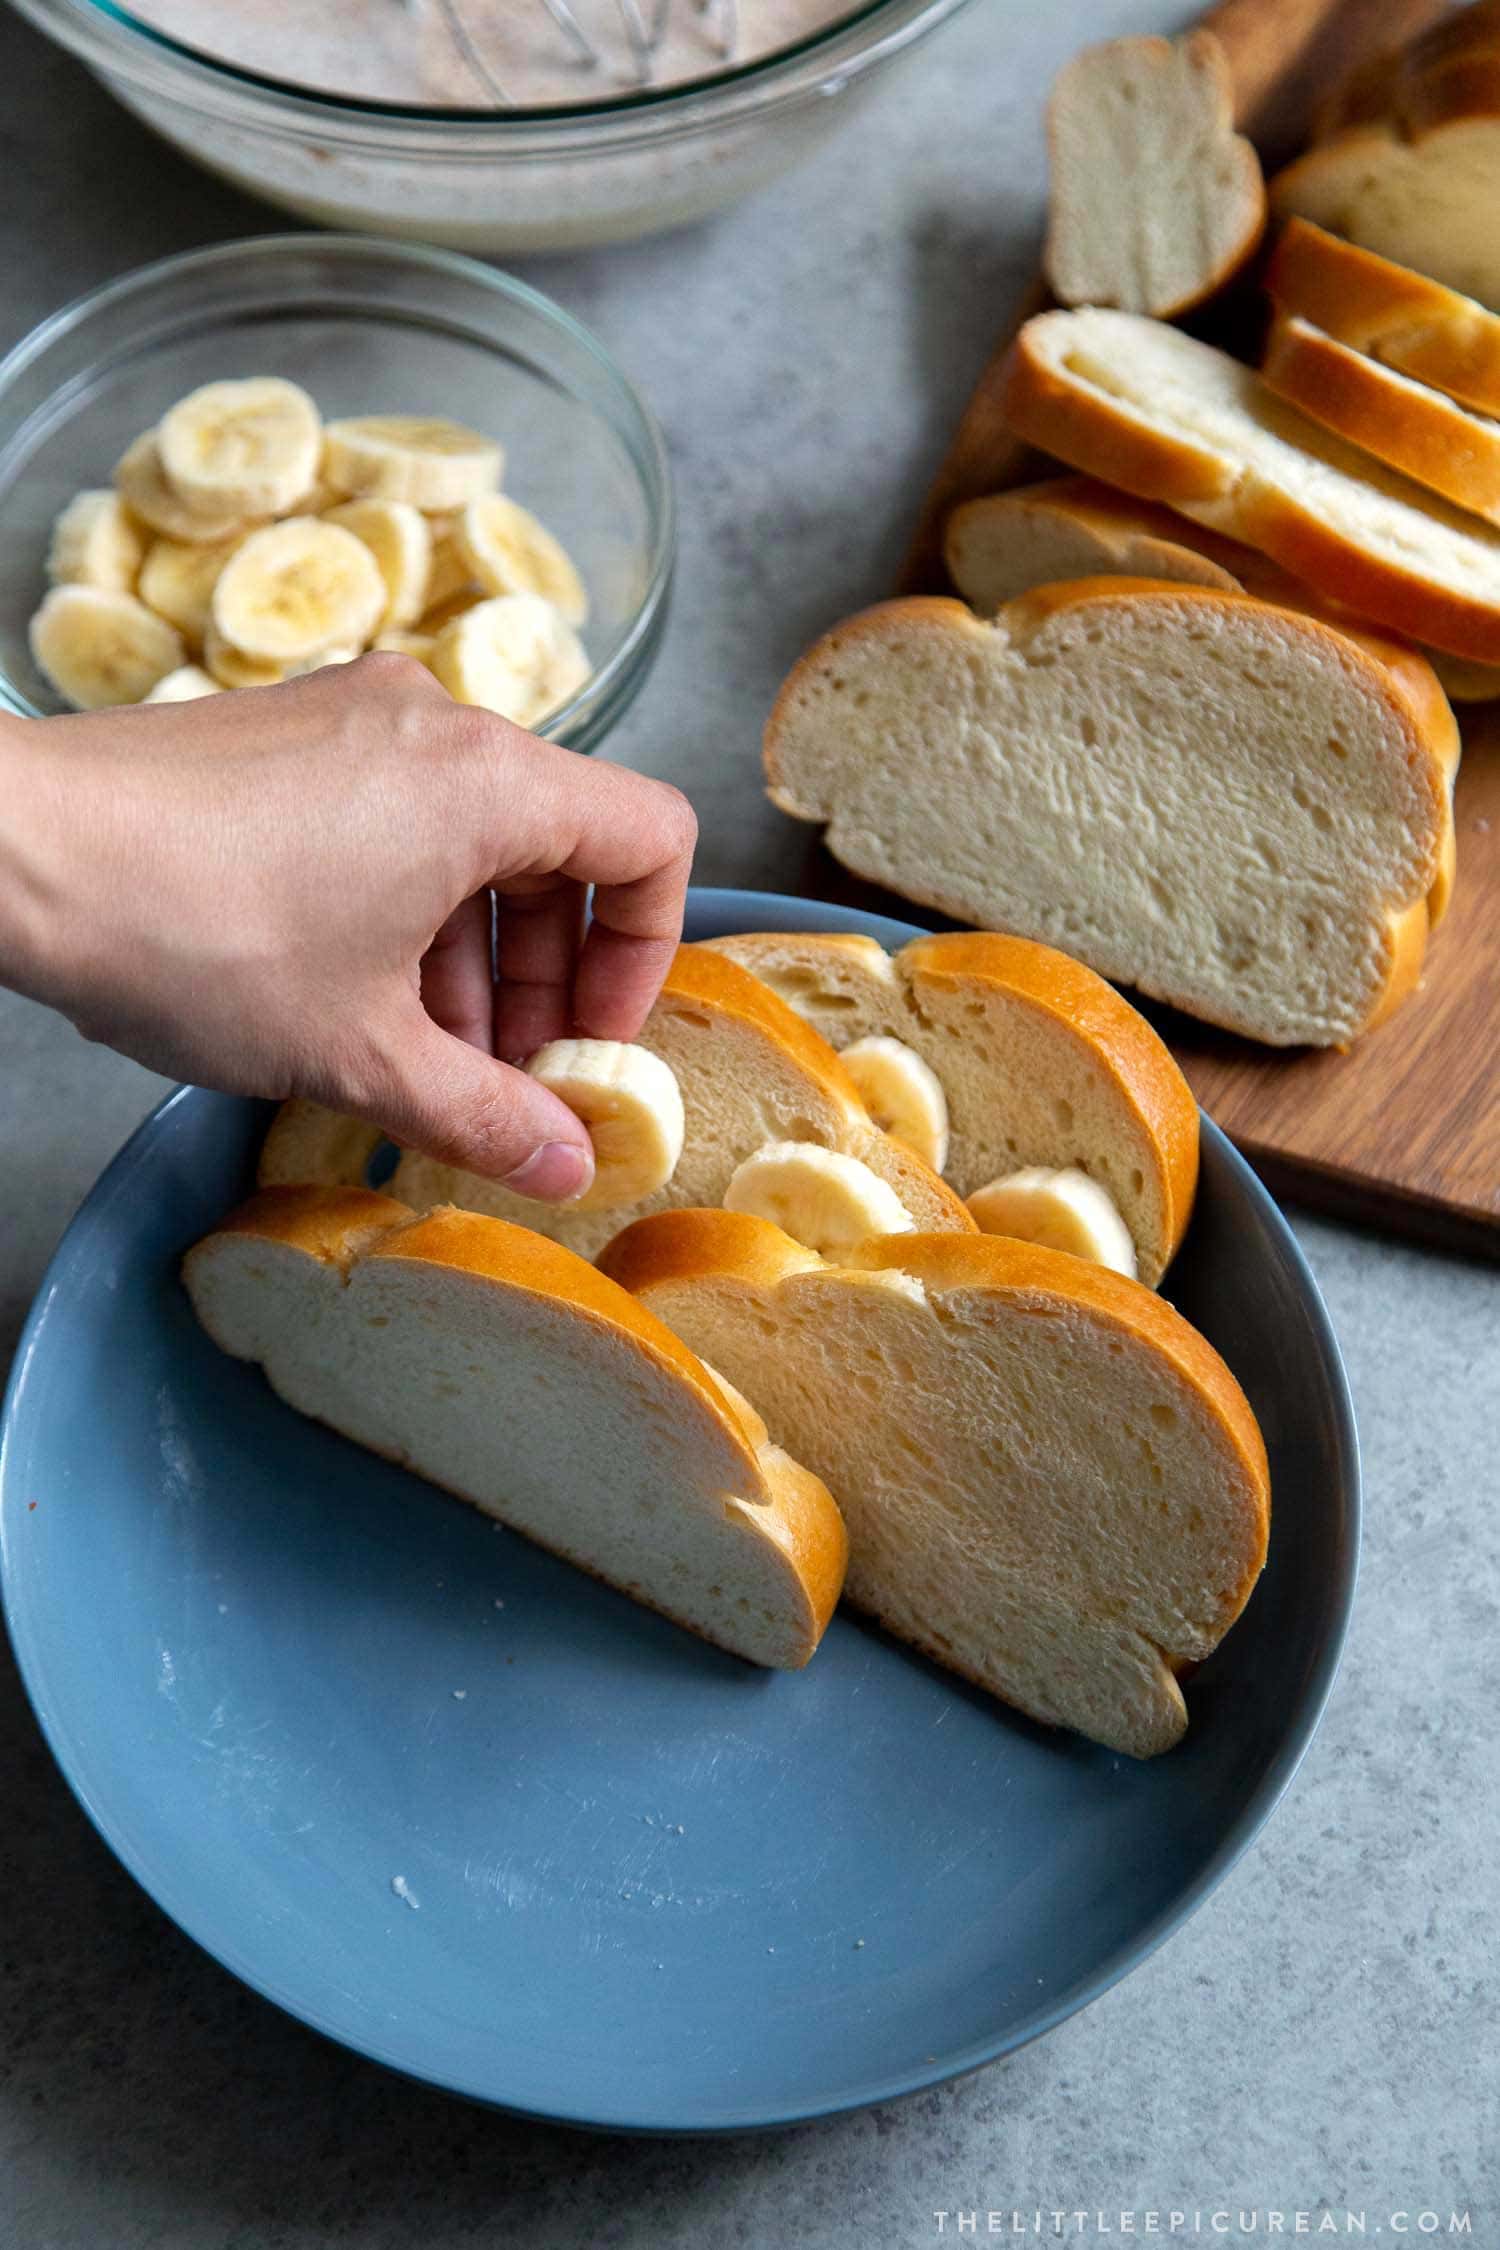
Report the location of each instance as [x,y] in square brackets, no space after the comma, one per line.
[1403,1130]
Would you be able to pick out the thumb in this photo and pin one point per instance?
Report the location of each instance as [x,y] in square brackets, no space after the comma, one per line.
[460,1105]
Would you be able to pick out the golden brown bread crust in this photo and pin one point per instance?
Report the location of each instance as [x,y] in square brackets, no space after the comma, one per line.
[1398,316]
[1116,1035]
[678,1246]
[1420,431]
[1107,439]
[338,1225]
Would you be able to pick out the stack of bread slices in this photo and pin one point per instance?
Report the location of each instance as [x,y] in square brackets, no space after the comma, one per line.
[977,1417]
[1191,721]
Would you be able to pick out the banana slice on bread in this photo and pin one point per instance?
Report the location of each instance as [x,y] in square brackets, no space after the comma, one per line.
[1063,1210]
[632,1106]
[823,1199]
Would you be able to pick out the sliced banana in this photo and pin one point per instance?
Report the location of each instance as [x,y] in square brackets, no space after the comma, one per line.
[903,1094]
[418,646]
[398,537]
[508,552]
[247,448]
[100,647]
[178,581]
[826,1201]
[449,577]
[1060,1211]
[232,668]
[434,621]
[297,589]
[185,685]
[434,464]
[96,542]
[514,655]
[142,484]
[632,1105]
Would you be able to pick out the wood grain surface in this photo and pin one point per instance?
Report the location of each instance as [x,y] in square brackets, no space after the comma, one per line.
[1403,1130]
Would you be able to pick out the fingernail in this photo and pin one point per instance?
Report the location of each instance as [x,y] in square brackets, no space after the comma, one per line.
[554,1173]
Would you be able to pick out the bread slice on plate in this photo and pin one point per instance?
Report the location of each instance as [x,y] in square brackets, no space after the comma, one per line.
[1155,199]
[749,1069]
[504,1368]
[1398,316]
[1175,420]
[1053,1484]
[1040,1061]
[1407,424]
[1075,527]
[1225,804]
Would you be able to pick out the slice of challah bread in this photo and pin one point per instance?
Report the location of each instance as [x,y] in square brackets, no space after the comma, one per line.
[1408,425]
[1041,1061]
[1155,199]
[1018,539]
[1228,805]
[1053,1485]
[504,1368]
[1176,420]
[1075,527]
[1399,317]
[749,1070]
[1412,169]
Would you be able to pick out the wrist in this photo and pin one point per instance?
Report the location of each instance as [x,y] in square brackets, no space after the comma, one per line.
[33,908]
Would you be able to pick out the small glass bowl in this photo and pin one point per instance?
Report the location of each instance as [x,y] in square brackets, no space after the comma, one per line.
[367,327]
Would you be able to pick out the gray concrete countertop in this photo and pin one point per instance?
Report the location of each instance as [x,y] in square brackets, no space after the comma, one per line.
[1322,2036]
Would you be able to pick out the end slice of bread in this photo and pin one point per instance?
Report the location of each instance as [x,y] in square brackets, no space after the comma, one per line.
[1155,199]
[1053,1485]
[1041,1061]
[1397,315]
[1004,544]
[749,1069]
[507,1370]
[1175,420]
[1225,804]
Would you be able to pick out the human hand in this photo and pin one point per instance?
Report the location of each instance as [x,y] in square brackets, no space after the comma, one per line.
[288,891]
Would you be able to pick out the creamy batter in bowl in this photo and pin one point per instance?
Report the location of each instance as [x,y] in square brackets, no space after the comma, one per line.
[443,161]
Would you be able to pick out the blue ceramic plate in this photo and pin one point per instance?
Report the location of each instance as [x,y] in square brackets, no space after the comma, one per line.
[488,1822]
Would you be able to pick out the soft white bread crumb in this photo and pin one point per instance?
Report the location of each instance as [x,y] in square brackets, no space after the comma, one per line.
[1228,805]
[1053,1485]
[505,1369]
[1155,199]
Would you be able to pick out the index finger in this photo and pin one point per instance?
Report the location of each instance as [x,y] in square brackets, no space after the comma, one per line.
[632,838]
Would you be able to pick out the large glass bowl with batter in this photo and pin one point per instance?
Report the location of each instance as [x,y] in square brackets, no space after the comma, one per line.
[493,177]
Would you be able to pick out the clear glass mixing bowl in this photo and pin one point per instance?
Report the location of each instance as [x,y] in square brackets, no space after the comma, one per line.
[494,179]
[368,327]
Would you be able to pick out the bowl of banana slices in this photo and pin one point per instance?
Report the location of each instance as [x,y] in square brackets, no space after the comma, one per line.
[248,462]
